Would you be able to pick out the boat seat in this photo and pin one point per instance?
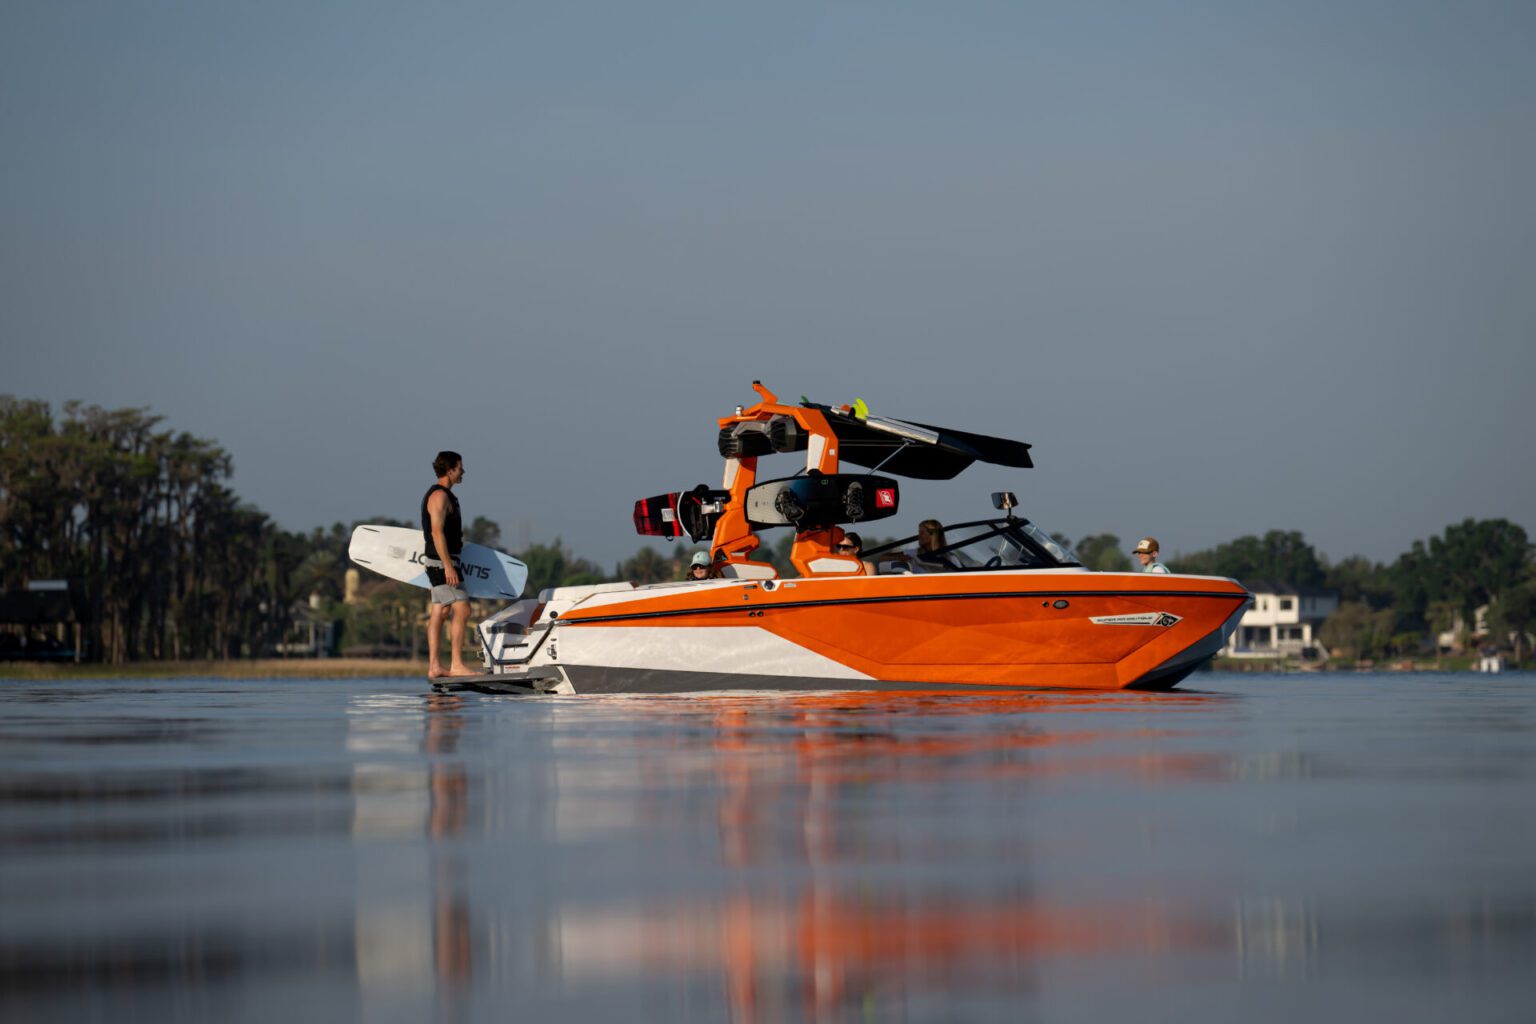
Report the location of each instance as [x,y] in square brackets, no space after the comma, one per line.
[835,565]
[748,571]
[927,562]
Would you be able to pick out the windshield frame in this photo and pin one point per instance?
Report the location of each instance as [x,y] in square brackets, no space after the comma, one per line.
[1019,531]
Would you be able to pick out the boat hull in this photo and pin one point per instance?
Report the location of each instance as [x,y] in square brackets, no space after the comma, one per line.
[1079,630]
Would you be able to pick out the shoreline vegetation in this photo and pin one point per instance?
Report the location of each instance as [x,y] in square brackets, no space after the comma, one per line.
[161,566]
[244,668]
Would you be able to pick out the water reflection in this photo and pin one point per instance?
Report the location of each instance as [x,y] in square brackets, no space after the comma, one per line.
[390,856]
[809,905]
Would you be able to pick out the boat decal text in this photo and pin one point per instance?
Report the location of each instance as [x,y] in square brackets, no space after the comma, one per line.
[1142,619]
[466,570]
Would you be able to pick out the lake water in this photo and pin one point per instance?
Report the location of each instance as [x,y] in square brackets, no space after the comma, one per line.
[1256,848]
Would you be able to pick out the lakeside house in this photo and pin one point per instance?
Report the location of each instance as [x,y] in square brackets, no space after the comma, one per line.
[1458,638]
[42,622]
[1283,621]
[311,632]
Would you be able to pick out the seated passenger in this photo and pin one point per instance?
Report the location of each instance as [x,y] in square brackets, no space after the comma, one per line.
[853,545]
[926,556]
[930,539]
[699,567]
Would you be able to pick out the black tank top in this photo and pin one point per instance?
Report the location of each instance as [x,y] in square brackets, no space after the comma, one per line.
[453,527]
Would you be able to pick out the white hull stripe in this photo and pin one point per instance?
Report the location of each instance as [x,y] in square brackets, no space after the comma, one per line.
[730,649]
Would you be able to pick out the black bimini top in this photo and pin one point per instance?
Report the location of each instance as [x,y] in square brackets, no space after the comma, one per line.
[941,455]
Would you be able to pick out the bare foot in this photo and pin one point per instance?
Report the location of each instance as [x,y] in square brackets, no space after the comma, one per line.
[434,672]
[463,670]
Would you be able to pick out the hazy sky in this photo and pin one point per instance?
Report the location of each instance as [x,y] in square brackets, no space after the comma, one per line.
[1229,267]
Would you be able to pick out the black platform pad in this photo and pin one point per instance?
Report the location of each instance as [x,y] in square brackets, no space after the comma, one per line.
[486,684]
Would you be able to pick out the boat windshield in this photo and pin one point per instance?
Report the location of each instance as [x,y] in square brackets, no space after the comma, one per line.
[991,544]
[1059,549]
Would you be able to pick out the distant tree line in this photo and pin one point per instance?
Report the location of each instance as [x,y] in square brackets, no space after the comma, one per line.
[173,565]
[1391,609]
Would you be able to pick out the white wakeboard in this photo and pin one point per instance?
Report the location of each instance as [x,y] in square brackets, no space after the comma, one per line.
[397,552]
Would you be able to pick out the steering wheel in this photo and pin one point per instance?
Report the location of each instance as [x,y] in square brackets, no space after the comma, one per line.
[993,562]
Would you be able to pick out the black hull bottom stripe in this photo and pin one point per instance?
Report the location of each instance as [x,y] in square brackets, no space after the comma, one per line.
[589,679]
[1001,595]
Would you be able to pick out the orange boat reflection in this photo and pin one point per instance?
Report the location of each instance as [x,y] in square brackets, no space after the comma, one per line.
[824,930]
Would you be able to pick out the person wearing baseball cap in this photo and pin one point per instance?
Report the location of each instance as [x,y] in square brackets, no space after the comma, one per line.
[698,569]
[1146,553]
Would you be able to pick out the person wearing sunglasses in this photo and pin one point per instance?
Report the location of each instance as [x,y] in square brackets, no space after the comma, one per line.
[698,569]
[852,545]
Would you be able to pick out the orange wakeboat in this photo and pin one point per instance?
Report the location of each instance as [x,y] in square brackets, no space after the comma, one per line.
[994,603]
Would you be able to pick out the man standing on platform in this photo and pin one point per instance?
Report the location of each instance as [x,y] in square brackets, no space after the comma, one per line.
[442,528]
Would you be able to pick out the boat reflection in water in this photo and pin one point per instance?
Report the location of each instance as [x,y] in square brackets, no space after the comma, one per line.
[802,856]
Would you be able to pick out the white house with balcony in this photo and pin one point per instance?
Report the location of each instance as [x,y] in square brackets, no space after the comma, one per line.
[1283,620]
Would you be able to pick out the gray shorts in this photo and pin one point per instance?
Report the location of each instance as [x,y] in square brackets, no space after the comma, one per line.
[444,594]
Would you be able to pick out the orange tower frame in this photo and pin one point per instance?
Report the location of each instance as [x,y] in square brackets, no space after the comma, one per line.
[735,540]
